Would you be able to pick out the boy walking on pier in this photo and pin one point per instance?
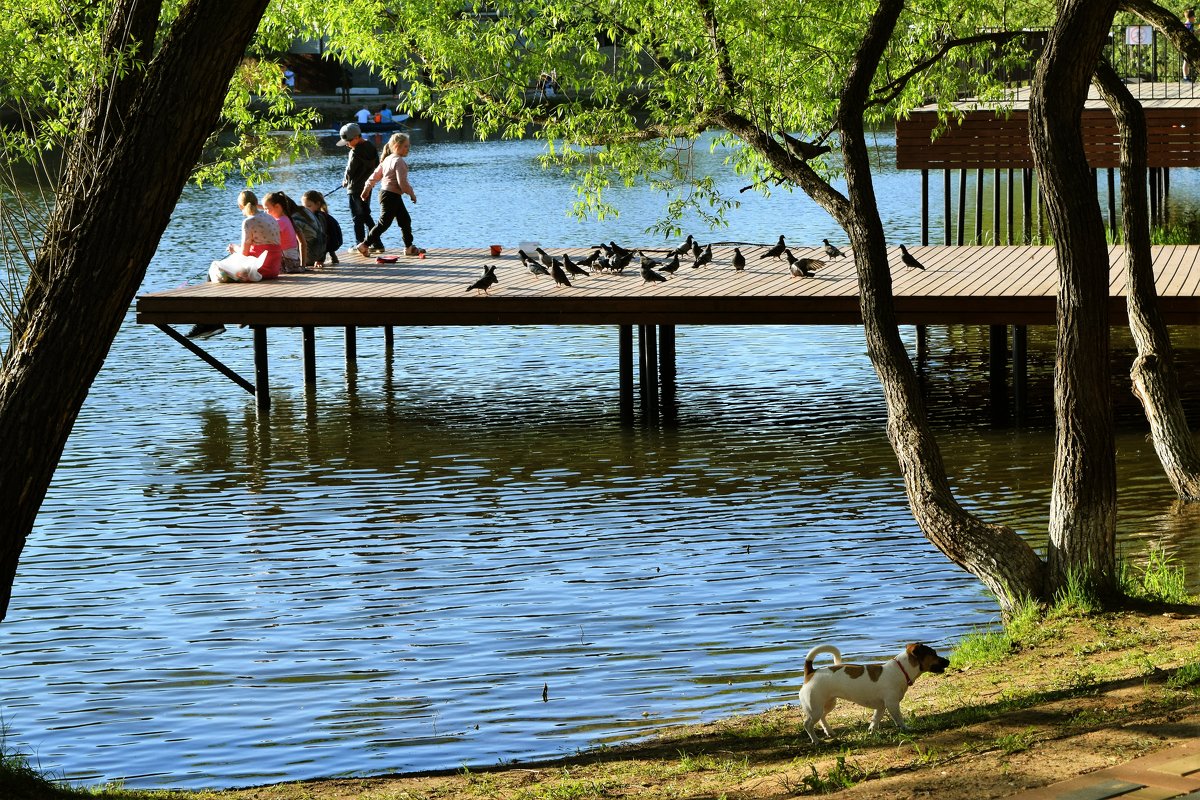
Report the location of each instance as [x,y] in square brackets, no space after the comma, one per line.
[363,160]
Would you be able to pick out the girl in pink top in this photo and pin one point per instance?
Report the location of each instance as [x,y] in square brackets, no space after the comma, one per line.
[292,255]
[392,177]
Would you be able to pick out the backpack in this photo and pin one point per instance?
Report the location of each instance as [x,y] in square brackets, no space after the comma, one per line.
[309,227]
[333,232]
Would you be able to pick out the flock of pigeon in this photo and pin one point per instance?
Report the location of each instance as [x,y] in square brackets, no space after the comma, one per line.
[612,259]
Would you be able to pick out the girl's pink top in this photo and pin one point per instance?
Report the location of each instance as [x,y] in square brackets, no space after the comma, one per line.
[287,238]
[391,175]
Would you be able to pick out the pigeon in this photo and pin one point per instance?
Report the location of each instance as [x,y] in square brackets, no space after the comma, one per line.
[536,268]
[647,261]
[684,248]
[650,276]
[621,262]
[603,264]
[488,279]
[570,267]
[703,258]
[739,260]
[546,258]
[776,251]
[831,250]
[618,250]
[525,257]
[803,267]
[909,259]
[671,265]
[556,270]
[695,249]
[587,262]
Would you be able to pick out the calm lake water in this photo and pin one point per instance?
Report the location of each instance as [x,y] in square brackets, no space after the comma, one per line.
[383,575]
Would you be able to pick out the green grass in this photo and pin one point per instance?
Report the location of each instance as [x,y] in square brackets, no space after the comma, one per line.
[1162,579]
[1185,677]
[984,647]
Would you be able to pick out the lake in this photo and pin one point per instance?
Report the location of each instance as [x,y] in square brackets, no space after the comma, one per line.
[383,575]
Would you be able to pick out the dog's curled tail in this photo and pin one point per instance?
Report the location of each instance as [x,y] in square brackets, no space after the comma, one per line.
[816,651]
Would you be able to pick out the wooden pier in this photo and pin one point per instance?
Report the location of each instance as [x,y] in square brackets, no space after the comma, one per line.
[995,286]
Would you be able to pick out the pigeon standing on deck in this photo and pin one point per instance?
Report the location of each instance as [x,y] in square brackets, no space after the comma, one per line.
[776,251]
[909,259]
[703,258]
[525,258]
[695,249]
[647,261]
[486,280]
[671,266]
[556,270]
[831,250]
[587,262]
[650,276]
[620,251]
[684,248]
[570,267]
[621,262]
[739,260]
[536,268]
[546,258]
[802,267]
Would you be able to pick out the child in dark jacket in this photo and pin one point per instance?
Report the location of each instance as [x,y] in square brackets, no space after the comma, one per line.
[314,201]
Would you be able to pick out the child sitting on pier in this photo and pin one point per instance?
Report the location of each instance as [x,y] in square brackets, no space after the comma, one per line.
[314,201]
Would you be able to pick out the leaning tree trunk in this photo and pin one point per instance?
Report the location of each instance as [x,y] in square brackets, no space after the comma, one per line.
[123,177]
[993,553]
[1083,496]
[1155,381]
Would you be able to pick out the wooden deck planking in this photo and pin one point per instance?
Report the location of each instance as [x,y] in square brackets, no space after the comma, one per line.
[967,285]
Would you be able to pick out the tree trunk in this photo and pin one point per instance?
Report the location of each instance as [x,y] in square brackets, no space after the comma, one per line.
[993,553]
[126,169]
[1155,381]
[1083,497]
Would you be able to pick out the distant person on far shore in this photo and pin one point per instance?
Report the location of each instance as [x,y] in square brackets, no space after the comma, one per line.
[314,201]
[363,115]
[363,160]
[1189,22]
[392,177]
[289,79]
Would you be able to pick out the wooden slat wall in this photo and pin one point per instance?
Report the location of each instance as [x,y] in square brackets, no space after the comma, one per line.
[985,140]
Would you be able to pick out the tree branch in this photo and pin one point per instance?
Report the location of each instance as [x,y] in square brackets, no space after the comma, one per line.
[1166,23]
[891,90]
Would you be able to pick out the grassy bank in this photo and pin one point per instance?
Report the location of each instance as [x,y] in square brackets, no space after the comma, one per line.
[1051,697]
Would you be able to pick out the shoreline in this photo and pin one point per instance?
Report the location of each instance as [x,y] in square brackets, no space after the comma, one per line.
[1081,695]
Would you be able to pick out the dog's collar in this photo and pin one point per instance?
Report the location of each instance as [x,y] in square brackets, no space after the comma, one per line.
[900,664]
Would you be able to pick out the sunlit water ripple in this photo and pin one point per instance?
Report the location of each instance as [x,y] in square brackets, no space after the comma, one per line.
[381,576]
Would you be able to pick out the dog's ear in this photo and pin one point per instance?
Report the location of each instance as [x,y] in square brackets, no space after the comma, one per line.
[913,648]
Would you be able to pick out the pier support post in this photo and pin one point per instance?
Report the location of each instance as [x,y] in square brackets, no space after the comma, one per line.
[1112,207]
[389,342]
[649,344]
[666,369]
[1012,184]
[262,384]
[924,206]
[998,379]
[625,370]
[962,204]
[1020,348]
[351,347]
[949,237]
[310,356]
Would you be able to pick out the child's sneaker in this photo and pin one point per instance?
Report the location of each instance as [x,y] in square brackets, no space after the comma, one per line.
[413,250]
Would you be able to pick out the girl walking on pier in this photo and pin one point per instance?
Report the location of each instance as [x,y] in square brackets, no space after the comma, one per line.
[392,177]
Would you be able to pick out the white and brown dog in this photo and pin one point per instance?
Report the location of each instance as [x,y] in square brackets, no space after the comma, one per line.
[877,686]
